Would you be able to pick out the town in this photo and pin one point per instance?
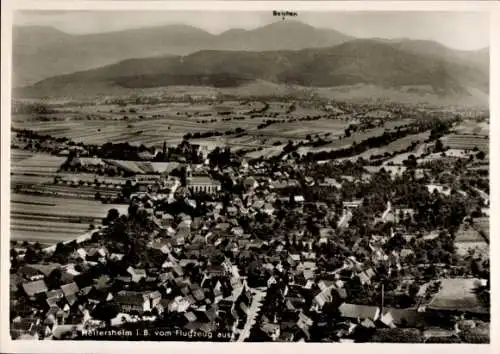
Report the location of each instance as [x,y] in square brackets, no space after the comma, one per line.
[309,243]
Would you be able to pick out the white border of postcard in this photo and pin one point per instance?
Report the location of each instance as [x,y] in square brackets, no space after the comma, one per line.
[9,346]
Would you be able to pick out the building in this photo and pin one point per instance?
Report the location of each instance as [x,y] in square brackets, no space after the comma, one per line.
[205,184]
[35,288]
[136,302]
[359,312]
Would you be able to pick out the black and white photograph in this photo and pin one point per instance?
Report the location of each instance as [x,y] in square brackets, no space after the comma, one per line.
[274,175]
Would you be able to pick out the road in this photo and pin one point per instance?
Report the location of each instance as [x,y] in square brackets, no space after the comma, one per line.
[258,296]
[346,217]
[387,211]
[483,195]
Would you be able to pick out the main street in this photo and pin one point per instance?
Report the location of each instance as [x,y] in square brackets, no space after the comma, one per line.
[258,296]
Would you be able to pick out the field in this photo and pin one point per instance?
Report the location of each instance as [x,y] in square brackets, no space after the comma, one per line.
[483,224]
[300,129]
[363,135]
[35,163]
[457,294]
[144,167]
[470,127]
[152,124]
[49,220]
[466,142]
[33,168]
[463,248]
[46,212]
[468,238]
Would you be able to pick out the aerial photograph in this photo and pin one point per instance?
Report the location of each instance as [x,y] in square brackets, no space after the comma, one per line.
[250,176]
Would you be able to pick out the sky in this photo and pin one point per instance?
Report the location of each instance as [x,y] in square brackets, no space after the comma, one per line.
[458,30]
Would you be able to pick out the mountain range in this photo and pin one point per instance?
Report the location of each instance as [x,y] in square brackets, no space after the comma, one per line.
[290,53]
[42,52]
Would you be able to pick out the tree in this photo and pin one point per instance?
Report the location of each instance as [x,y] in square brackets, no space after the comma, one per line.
[127,189]
[439,147]
[54,279]
[105,312]
[113,214]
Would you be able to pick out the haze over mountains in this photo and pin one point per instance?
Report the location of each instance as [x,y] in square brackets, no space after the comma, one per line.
[289,53]
[41,52]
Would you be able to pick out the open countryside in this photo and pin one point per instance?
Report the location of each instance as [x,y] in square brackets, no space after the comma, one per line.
[285,183]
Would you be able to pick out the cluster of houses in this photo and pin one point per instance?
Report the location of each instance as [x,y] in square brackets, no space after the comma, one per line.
[208,273]
[55,301]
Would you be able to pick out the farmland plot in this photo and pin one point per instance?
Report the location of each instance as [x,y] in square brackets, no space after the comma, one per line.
[49,220]
[466,142]
[470,127]
[301,129]
[266,152]
[457,294]
[17,155]
[35,169]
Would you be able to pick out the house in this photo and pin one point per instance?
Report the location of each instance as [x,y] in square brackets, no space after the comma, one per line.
[298,199]
[271,329]
[250,183]
[70,289]
[34,288]
[180,304]
[216,271]
[352,204]
[163,305]
[96,254]
[359,312]
[51,317]
[321,298]
[85,290]
[271,280]
[308,274]
[406,252]
[65,331]
[26,328]
[268,209]
[393,317]
[304,323]
[368,323]
[102,282]
[116,256]
[434,333]
[97,296]
[80,253]
[136,274]
[190,316]
[154,297]
[54,296]
[366,276]
[199,294]
[29,273]
[133,302]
